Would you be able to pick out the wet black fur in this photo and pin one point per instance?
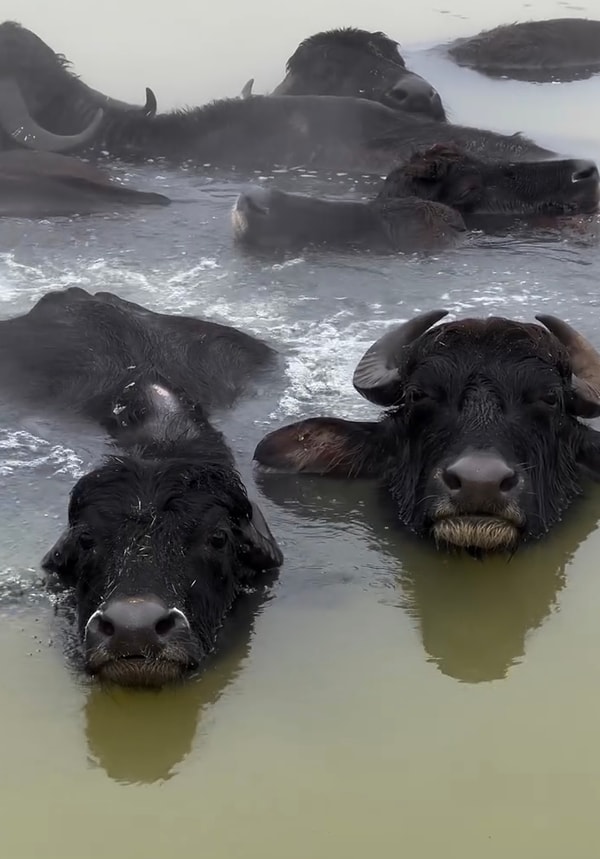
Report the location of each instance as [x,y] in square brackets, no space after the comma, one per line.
[479,187]
[260,131]
[479,384]
[167,513]
[354,62]
[329,131]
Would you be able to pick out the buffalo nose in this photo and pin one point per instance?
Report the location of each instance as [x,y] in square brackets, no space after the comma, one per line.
[134,626]
[255,200]
[586,171]
[484,477]
[414,94]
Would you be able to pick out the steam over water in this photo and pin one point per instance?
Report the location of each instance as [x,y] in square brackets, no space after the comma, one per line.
[381,699]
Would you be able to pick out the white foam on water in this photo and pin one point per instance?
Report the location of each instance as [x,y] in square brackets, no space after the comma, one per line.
[321,312]
[22,450]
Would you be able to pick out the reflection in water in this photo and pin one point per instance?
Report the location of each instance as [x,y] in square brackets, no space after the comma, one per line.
[474,616]
[142,736]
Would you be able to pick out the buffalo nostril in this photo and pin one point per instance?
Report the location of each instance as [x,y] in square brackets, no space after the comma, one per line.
[585,174]
[250,202]
[451,480]
[257,199]
[399,94]
[166,624]
[509,482]
[105,627]
[255,206]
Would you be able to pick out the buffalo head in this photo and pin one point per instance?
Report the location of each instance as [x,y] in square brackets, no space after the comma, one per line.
[481,446]
[357,63]
[448,174]
[160,541]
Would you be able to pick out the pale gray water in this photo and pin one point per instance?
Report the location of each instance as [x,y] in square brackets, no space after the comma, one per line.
[388,700]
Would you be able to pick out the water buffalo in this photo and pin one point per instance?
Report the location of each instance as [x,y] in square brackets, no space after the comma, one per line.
[43,184]
[561,49]
[477,187]
[161,535]
[37,82]
[260,132]
[273,219]
[355,62]
[481,446]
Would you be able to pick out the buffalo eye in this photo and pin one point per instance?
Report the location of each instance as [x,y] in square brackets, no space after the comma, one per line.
[419,396]
[218,539]
[550,398]
[416,396]
[86,541]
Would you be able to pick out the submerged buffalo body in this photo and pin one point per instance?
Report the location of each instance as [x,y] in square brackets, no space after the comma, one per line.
[423,204]
[60,111]
[44,184]
[334,132]
[481,446]
[560,49]
[161,535]
[273,219]
[478,187]
[358,63]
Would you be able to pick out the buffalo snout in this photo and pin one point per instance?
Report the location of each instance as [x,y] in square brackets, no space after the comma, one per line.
[477,505]
[479,478]
[585,171]
[414,94]
[138,641]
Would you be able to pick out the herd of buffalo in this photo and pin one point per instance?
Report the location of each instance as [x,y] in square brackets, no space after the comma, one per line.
[480,443]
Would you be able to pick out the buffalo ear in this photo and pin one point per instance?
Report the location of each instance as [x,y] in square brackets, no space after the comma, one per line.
[60,560]
[585,403]
[259,548]
[322,446]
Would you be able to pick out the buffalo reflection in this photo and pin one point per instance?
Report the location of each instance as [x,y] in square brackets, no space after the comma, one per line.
[474,617]
[144,736]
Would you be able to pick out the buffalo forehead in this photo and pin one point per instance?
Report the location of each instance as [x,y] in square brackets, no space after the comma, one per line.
[490,347]
[140,490]
[377,44]
[496,336]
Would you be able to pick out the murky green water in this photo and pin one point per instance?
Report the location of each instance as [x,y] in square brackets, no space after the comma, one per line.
[381,700]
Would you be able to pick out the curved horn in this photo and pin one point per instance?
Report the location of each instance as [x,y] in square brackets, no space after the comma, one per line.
[151,105]
[16,121]
[377,373]
[260,549]
[247,88]
[585,361]
[148,109]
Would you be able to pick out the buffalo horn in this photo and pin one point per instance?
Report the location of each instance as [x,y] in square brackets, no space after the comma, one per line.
[148,109]
[585,361]
[16,121]
[247,88]
[151,105]
[261,551]
[378,372]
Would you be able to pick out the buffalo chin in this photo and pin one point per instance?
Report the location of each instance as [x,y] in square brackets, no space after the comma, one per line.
[141,672]
[480,533]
